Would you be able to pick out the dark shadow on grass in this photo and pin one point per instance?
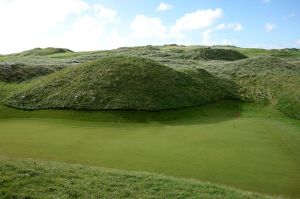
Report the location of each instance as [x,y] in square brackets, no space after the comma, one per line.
[210,113]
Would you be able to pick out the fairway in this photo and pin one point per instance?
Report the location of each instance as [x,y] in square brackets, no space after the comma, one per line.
[258,151]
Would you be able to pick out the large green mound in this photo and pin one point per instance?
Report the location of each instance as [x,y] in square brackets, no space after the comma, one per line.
[214,54]
[44,51]
[38,179]
[265,79]
[122,82]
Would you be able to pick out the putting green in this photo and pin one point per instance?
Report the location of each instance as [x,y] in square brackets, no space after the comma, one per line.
[258,151]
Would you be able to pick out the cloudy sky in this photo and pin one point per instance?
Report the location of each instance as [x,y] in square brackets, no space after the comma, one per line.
[83,25]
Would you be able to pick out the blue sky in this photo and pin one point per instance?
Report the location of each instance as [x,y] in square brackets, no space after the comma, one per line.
[106,24]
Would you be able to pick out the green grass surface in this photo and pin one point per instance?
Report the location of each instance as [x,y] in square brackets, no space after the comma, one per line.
[38,179]
[258,151]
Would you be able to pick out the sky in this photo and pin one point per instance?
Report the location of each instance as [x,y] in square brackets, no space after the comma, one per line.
[84,25]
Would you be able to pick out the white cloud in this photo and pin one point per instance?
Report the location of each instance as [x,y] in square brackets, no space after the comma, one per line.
[30,14]
[269,27]
[147,27]
[105,15]
[298,42]
[232,26]
[197,20]
[40,23]
[80,26]
[164,6]
[228,42]
[291,15]
[208,35]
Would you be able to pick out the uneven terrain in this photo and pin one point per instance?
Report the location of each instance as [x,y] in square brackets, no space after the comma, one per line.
[244,136]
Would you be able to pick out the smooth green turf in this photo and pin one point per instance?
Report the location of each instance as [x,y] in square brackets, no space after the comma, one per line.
[37,179]
[258,151]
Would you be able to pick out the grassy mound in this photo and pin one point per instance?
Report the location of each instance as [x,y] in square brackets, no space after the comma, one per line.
[58,180]
[214,54]
[18,72]
[265,79]
[121,82]
[44,51]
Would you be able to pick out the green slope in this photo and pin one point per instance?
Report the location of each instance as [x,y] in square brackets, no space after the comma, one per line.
[214,54]
[122,82]
[265,79]
[43,51]
[38,179]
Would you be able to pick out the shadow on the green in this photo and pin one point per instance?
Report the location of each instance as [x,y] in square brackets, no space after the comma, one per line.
[210,113]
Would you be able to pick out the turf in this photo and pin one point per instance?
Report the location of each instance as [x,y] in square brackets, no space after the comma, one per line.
[257,151]
[38,179]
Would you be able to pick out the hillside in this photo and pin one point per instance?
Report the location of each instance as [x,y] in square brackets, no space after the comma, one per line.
[214,54]
[261,79]
[38,179]
[43,51]
[264,79]
[122,82]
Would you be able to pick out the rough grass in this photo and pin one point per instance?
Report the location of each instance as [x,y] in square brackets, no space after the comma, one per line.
[214,54]
[122,82]
[37,179]
[174,57]
[17,72]
[43,51]
[263,80]
[257,151]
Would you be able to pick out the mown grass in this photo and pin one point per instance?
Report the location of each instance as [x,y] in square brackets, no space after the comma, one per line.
[257,151]
[37,179]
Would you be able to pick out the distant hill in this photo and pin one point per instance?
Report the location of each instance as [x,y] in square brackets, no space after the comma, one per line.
[122,82]
[208,53]
[43,51]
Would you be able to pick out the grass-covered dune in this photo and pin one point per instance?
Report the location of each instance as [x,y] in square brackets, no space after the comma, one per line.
[214,54]
[43,51]
[122,82]
[37,179]
[18,72]
[265,79]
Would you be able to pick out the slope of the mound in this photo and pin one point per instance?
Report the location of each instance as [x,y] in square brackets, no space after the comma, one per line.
[36,179]
[43,51]
[267,79]
[121,82]
[214,54]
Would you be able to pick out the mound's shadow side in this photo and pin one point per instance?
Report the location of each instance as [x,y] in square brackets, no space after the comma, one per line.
[122,82]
